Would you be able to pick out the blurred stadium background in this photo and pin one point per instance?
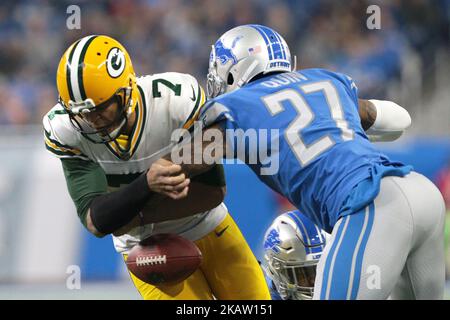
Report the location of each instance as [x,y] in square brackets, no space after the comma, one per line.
[407,60]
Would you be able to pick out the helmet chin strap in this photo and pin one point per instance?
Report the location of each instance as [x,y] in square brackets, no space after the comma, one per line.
[244,79]
[213,52]
[129,107]
[295,63]
[115,133]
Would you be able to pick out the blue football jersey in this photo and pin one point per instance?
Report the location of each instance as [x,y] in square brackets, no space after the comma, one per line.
[308,128]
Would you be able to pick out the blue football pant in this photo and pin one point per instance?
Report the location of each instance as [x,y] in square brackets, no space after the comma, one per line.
[393,248]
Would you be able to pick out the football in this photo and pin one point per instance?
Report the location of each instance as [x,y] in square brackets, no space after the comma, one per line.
[164,259]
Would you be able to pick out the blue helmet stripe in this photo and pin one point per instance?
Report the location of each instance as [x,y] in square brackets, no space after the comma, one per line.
[318,249]
[302,229]
[266,39]
[321,237]
[275,42]
[283,49]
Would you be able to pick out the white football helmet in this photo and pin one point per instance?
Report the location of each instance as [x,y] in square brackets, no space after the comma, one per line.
[243,53]
[293,245]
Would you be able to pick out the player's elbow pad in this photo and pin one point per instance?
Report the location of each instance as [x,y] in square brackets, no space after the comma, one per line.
[391,121]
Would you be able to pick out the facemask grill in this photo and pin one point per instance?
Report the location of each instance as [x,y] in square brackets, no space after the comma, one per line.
[109,132]
[294,281]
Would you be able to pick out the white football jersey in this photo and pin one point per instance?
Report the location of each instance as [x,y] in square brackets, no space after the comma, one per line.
[167,101]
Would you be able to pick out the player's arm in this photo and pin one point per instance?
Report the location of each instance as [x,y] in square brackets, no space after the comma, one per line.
[103,213]
[208,145]
[206,191]
[207,142]
[383,120]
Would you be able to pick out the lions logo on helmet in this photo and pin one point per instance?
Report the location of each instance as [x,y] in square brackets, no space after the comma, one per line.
[225,54]
[293,246]
[252,50]
[272,240]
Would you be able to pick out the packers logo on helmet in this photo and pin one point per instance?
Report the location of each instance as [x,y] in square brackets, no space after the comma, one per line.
[115,63]
[94,72]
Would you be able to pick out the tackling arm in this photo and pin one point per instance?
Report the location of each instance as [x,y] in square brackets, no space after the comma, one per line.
[208,145]
[206,191]
[102,212]
[99,211]
[206,179]
[383,120]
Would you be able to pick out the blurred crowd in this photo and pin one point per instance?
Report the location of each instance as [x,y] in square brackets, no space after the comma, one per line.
[176,35]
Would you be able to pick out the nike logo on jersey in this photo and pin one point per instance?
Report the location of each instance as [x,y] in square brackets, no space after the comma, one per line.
[193,93]
[218,234]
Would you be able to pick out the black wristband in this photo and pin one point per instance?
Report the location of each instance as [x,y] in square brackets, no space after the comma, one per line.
[114,210]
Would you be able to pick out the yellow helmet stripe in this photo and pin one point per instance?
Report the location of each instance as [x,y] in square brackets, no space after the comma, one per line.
[75,67]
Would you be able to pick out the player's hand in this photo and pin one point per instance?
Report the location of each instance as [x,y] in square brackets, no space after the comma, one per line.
[166,178]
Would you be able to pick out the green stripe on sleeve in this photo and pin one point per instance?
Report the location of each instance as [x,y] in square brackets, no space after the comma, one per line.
[57,143]
[197,105]
[59,152]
